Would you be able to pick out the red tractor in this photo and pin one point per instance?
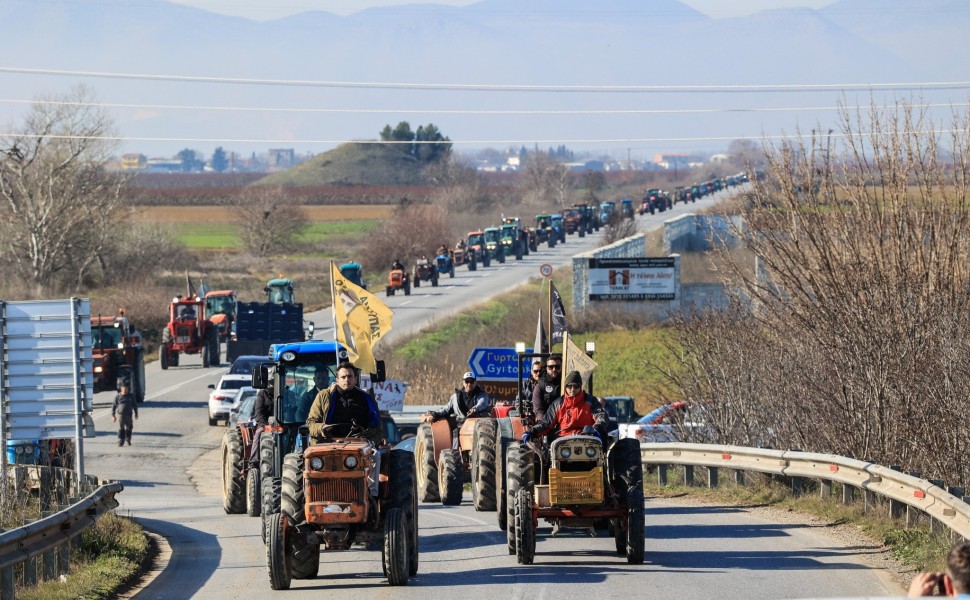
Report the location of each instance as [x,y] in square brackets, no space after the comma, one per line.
[189,331]
[117,354]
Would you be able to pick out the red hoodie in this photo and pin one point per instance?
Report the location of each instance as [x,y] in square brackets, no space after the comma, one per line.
[574,414]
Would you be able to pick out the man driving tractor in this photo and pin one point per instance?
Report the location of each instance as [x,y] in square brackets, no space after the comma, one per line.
[470,401]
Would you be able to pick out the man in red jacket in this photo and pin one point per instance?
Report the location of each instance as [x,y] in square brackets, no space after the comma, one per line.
[572,413]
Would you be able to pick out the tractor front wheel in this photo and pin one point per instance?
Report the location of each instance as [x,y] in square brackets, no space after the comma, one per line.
[525,530]
[163,357]
[520,474]
[394,554]
[233,477]
[634,527]
[450,477]
[427,468]
[252,492]
[404,495]
[277,555]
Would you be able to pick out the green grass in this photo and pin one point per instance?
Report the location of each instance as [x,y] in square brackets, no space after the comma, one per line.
[212,236]
[111,552]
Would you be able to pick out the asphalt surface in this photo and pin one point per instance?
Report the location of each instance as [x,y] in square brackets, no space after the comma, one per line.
[172,483]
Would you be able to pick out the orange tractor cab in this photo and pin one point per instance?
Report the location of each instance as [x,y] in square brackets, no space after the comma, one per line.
[189,331]
[221,308]
[398,279]
[477,252]
[118,355]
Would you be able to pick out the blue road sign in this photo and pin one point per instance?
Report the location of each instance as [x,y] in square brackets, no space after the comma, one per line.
[494,363]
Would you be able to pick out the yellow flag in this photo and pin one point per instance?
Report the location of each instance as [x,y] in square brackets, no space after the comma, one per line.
[360,319]
[574,359]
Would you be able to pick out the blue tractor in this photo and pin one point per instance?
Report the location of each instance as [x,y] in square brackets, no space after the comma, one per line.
[445,264]
[354,273]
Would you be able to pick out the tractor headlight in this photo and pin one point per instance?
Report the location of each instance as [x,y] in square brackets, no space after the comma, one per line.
[350,462]
[288,356]
[565,452]
[316,463]
[591,452]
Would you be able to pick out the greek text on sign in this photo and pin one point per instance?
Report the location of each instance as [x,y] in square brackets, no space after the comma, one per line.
[494,363]
[389,394]
[632,278]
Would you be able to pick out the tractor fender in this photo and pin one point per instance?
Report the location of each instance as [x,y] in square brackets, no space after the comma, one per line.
[441,433]
[465,434]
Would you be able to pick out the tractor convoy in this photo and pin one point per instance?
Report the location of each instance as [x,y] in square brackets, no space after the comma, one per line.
[331,493]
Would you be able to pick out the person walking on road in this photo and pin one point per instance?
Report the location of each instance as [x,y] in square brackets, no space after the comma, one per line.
[126,408]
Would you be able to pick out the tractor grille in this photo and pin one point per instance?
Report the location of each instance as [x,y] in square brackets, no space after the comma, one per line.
[349,491]
[576,488]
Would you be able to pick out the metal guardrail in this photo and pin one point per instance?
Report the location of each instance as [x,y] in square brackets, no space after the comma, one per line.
[49,533]
[946,508]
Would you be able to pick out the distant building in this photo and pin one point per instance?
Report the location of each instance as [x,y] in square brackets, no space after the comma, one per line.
[163,165]
[133,162]
[281,158]
[671,161]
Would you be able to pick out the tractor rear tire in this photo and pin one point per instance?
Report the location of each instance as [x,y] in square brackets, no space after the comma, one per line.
[552,242]
[252,492]
[277,555]
[525,530]
[427,467]
[486,260]
[417,281]
[518,252]
[139,374]
[269,501]
[404,495]
[450,477]
[394,552]
[520,473]
[472,266]
[501,257]
[483,465]
[163,357]
[206,355]
[233,473]
[389,291]
[627,466]
[634,527]
[213,347]
[304,555]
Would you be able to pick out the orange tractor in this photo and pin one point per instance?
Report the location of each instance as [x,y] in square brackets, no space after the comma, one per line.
[189,331]
[221,307]
[398,279]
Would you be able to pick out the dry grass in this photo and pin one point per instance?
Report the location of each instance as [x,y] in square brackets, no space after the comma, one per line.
[223,214]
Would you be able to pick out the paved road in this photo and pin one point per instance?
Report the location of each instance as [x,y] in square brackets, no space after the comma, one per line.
[172,485]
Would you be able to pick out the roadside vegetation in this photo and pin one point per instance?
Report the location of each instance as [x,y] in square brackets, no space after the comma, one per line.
[110,554]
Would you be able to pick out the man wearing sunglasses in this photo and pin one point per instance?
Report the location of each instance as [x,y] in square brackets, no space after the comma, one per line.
[529,383]
[470,401]
[572,413]
[547,387]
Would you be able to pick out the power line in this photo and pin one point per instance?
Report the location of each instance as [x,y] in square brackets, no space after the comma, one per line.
[858,134]
[632,111]
[481,87]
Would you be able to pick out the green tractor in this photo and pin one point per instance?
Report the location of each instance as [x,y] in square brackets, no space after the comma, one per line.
[280,291]
[493,243]
[512,242]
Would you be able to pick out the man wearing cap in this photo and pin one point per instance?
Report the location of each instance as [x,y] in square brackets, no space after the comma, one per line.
[125,408]
[572,413]
[470,401]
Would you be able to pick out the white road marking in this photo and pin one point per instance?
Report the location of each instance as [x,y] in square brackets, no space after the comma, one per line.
[178,385]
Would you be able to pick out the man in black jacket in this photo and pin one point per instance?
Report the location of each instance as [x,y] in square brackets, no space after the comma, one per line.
[470,401]
[548,387]
[262,411]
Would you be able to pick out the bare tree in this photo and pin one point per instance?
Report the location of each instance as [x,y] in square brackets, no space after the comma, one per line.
[268,221]
[60,202]
[539,179]
[413,230]
[851,336]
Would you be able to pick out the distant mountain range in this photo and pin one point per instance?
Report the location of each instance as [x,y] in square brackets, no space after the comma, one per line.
[490,43]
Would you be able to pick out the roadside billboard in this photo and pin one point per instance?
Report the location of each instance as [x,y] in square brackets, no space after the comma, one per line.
[632,278]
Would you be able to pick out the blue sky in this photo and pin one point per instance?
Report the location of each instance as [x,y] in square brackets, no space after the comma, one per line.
[261,10]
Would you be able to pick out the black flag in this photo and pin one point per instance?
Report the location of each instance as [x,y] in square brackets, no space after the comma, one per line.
[557,318]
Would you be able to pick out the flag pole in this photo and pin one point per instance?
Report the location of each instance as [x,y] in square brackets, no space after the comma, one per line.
[549,315]
[333,302]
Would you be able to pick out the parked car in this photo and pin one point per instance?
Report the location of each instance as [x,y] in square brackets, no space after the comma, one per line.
[659,425]
[242,406]
[223,394]
[244,365]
